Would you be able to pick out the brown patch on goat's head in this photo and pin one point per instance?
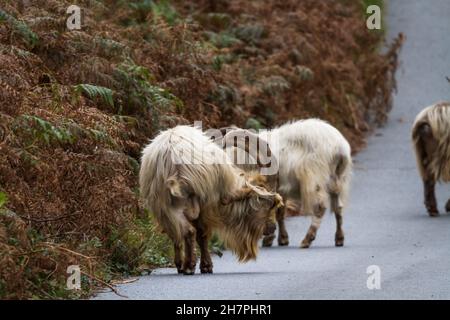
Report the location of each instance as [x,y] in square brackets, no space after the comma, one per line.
[258,207]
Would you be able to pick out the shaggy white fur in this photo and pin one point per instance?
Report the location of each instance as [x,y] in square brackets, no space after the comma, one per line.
[438,118]
[184,177]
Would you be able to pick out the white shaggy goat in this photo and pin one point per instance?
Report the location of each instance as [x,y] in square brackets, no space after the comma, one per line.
[315,166]
[431,139]
[192,188]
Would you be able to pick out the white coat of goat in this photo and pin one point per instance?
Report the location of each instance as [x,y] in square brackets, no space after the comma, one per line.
[315,167]
[431,140]
[192,188]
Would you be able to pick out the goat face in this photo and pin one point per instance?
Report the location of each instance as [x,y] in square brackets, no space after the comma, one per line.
[266,204]
[257,208]
[264,183]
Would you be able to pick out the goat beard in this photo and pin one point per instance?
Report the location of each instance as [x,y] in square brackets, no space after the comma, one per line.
[242,238]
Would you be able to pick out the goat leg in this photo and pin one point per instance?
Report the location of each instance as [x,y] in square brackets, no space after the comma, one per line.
[430,197]
[283,238]
[206,265]
[336,206]
[339,237]
[427,148]
[319,212]
[189,252]
[178,257]
[268,240]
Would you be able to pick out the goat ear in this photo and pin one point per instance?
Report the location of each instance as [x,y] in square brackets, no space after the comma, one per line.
[175,188]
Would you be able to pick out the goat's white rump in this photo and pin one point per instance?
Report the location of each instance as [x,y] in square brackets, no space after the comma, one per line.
[431,141]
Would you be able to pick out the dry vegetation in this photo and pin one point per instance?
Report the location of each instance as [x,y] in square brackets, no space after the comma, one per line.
[77,106]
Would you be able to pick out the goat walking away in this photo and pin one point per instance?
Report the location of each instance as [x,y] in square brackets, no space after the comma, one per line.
[431,140]
[193,189]
[315,166]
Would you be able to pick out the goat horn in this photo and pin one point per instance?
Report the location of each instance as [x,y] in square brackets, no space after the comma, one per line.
[232,138]
[238,196]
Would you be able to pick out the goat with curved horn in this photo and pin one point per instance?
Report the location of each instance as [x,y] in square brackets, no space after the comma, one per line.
[253,145]
[192,188]
[315,165]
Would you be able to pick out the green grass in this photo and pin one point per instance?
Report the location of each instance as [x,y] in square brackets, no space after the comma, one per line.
[161,9]
[138,246]
[20,28]
[3,199]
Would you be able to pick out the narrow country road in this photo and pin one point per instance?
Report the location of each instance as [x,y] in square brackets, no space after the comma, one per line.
[386,223]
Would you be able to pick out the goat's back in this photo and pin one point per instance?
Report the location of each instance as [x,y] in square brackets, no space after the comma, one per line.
[314,159]
[312,136]
[187,155]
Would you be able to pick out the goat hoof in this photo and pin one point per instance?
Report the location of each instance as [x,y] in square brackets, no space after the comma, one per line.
[447,206]
[208,269]
[339,243]
[180,271]
[267,241]
[188,272]
[283,241]
[305,244]
[339,239]
[432,208]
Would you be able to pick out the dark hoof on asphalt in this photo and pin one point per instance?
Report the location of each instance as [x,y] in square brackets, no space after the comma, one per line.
[283,241]
[267,242]
[433,213]
[447,206]
[339,240]
[189,272]
[206,270]
[305,245]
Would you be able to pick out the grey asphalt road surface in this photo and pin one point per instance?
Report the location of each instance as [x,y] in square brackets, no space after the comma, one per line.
[386,223]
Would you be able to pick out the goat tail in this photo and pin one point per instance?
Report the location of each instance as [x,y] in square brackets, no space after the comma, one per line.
[339,181]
